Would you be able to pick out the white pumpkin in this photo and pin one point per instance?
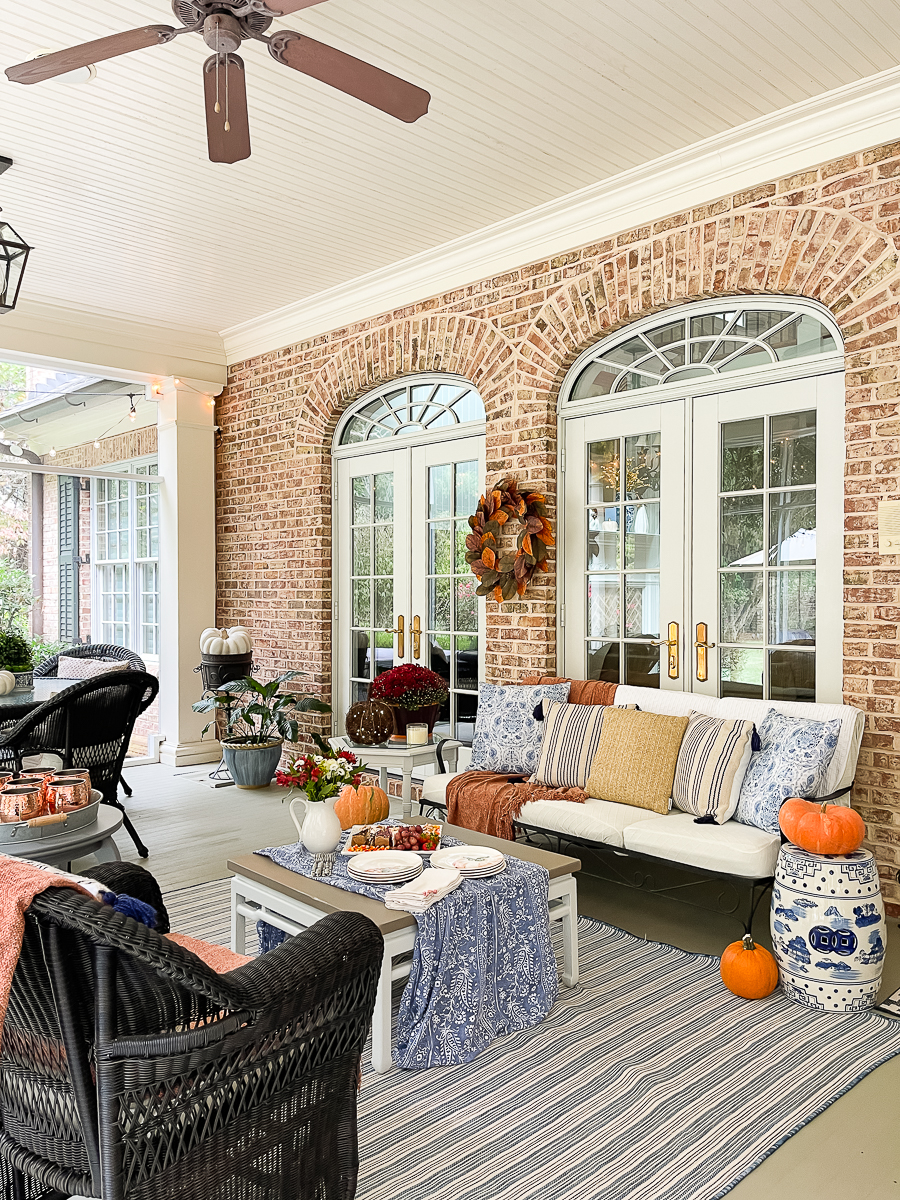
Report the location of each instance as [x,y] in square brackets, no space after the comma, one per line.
[7,682]
[226,641]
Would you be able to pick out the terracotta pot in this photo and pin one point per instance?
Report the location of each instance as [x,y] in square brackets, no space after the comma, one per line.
[414,716]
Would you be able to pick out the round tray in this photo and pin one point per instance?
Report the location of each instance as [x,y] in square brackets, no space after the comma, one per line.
[21,831]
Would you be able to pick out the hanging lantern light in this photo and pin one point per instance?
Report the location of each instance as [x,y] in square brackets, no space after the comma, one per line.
[13,257]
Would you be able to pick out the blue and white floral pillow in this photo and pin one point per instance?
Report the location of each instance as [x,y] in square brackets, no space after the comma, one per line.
[792,761]
[507,735]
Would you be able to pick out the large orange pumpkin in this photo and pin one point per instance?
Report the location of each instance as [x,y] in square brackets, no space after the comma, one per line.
[361,806]
[822,828]
[748,970]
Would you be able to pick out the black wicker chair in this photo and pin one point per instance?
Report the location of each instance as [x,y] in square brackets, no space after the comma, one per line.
[50,666]
[131,1071]
[88,725]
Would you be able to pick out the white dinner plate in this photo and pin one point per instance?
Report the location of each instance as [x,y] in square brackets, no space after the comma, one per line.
[470,860]
[384,864]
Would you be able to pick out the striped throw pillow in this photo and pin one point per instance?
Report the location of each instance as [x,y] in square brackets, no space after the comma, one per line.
[712,763]
[569,743]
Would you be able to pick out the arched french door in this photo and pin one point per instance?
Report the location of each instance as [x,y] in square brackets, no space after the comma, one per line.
[703,457]
[408,471]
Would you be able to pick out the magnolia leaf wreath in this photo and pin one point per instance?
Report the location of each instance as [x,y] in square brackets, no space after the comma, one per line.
[504,574]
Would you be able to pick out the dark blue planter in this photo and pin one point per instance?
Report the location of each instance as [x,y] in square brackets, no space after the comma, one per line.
[252,766]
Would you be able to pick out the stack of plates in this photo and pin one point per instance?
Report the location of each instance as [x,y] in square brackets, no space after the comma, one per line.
[385,866]
[472,862]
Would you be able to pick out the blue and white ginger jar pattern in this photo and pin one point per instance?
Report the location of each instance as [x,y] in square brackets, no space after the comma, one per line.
[507,733]
[828,928]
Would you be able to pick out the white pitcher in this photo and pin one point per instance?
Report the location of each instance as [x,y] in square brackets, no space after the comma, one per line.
[320,830]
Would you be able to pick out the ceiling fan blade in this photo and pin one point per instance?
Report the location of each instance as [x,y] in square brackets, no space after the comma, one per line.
[351,75]
[50,65]
[228,130]
[281,8]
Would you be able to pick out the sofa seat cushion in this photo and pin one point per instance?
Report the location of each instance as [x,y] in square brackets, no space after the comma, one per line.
[732,848]
[595,820]
[434,787]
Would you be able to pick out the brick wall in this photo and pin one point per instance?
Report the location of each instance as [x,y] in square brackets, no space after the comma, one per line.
[829,233]
[121,448]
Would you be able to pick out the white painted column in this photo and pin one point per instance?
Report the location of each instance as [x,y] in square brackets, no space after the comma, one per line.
[187,561]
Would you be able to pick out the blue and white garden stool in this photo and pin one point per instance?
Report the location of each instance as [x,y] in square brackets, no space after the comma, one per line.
[828,928]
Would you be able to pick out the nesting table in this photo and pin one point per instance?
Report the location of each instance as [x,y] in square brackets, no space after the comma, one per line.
[402,756]
[263,891]
[63,848]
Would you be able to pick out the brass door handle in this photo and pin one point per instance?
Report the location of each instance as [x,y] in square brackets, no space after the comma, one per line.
[701,645]
[671,642]
[416,636]
[401,643]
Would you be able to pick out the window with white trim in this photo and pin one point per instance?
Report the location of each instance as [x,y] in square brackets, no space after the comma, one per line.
[126,561]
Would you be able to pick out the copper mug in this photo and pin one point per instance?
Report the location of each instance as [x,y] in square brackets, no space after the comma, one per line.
[20,803]
[5,778]
[70,791]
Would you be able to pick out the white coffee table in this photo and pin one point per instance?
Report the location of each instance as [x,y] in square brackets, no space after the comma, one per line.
[263,891]
[63,848]
[404,757]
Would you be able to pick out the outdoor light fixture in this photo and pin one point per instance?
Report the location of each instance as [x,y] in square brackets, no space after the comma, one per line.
[13,257]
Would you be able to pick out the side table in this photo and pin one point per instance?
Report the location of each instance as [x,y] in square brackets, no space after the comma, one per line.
[406,757]
[60,850]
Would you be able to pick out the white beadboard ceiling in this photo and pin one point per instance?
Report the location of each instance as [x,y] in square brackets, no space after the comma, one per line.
[530,101]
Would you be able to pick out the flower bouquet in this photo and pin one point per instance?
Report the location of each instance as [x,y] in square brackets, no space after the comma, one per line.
[321,776]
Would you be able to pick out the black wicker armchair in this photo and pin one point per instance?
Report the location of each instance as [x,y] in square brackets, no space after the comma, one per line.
[88,725]
[50,666]
[131,1071]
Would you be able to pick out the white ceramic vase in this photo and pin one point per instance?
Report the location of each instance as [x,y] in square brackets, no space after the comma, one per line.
[319,829]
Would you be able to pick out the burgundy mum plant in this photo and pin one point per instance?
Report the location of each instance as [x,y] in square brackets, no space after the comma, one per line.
[410,687]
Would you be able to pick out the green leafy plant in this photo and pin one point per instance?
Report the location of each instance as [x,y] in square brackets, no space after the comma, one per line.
[255,712]
[16,597]
[15,652]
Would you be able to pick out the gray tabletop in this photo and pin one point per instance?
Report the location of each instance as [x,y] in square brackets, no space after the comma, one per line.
[19,703]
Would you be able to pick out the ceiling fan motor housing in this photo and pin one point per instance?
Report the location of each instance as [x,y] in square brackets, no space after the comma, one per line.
[222,33]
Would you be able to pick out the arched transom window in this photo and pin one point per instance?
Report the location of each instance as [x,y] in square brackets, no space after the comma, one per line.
[733,336]
[414,408]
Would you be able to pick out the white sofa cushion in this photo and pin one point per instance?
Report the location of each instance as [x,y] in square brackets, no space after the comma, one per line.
[731,848]
[595,820]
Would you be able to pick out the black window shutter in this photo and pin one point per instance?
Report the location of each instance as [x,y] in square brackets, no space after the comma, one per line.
[68,558]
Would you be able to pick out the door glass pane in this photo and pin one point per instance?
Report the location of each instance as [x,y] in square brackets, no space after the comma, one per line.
[642,536]
[439,604]
[440,502]
[603,661]
[362,500]
[467,663]
[384,496]
[384,549]
[359,664]
[362,559]
[384,604]
[603,539]
[603,471]
[361,610]
[468,488]
[792,675]
[792,450]
[461,532]
[741,673]
[642,606]
[642,463]
[742,455]
[603,606]
[372,586]
[466,617]
[641,665]
[792,528]
[440,554]
[742,531]
[792,608]
[741,610]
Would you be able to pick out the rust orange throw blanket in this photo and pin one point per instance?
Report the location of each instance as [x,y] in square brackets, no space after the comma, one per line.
[489,803]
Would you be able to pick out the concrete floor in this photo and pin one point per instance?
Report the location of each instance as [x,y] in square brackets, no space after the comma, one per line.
[850,1152]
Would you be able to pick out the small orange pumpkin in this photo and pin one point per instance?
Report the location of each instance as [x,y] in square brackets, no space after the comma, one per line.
[822,828]
[361,806]
[748,970]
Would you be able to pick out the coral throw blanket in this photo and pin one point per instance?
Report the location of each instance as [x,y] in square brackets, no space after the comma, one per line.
[489,803]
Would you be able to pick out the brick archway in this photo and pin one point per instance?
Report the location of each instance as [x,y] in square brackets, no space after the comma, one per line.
[459,345]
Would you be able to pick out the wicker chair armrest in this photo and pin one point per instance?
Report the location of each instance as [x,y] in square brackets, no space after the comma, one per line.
[334,950]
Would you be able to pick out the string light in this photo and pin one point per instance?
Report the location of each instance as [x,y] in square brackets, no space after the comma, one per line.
[53,452]
[132,412]
[96,443]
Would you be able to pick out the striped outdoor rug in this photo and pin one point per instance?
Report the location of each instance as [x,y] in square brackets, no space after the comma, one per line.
[649,1081]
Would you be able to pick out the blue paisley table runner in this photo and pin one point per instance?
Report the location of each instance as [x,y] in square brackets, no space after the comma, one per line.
[483,965]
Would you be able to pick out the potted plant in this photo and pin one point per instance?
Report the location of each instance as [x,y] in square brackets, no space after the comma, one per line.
[414,694]
[15,656]
[259,718]
[321,779]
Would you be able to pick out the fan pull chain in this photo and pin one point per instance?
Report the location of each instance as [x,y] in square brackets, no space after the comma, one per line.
[218,65]
[227,122]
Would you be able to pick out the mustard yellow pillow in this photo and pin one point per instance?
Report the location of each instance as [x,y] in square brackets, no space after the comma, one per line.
[636,758]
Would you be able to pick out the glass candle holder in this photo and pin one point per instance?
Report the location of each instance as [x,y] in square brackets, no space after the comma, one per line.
[417,735]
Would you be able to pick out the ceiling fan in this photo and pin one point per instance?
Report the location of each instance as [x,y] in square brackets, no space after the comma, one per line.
[223,25]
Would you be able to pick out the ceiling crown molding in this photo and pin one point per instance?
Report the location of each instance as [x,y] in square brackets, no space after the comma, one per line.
[829,126]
